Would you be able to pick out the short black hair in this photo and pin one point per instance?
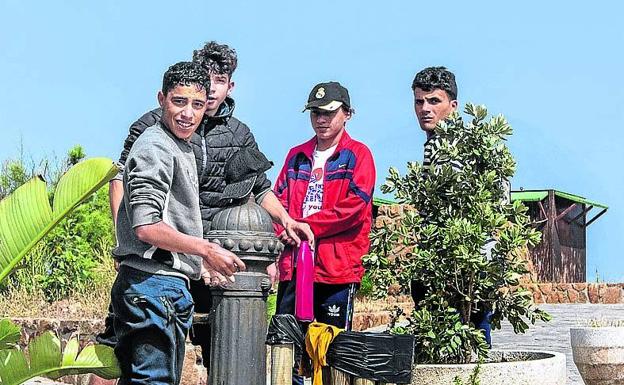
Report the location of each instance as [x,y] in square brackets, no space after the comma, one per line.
[185,73]
[216,58]
[432,78]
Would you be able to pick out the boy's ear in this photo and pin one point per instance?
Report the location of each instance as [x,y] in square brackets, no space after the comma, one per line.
[161,99]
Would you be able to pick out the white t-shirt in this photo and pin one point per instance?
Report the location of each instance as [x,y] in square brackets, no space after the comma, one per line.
[314,196]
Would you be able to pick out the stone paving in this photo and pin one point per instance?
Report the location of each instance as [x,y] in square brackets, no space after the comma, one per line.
[555,335]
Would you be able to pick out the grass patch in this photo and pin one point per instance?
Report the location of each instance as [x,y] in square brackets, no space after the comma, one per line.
[24,297]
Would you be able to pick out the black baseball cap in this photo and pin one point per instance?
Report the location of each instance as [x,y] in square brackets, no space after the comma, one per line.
[328,96]
[241,172]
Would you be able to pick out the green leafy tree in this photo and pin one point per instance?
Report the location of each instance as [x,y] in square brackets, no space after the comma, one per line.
[75,155]
[12,175]
[439,242]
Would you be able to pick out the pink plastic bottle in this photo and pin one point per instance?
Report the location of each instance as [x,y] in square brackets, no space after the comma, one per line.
[304,289]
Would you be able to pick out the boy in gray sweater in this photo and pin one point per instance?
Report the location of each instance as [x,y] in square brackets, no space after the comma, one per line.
[159,234]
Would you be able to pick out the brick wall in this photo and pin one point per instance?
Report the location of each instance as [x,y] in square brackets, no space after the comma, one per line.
[369,313]
[598,293]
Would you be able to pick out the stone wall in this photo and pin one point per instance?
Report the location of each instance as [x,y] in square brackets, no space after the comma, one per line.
[387,214]
[597,293]
[369,313]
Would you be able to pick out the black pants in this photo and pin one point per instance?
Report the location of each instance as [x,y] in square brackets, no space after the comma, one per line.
[333,305]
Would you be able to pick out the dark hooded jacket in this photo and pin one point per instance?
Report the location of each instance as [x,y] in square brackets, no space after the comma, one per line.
[214,142]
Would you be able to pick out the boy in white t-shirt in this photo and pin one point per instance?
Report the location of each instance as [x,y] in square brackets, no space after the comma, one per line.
[327,183]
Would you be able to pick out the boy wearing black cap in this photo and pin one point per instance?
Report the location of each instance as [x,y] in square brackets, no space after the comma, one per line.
[327,182]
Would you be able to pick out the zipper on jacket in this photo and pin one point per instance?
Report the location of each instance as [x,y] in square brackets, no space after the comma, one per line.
[204,151]
[293,255]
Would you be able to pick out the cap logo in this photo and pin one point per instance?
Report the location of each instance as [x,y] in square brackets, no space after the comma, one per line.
[320,93]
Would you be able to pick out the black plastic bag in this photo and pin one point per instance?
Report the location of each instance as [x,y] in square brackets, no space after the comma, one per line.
[284,329]
[373,356]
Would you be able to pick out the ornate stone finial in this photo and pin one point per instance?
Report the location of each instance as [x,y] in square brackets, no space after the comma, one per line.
[246,229]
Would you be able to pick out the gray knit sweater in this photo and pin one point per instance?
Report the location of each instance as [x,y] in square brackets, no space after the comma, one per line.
[160,184]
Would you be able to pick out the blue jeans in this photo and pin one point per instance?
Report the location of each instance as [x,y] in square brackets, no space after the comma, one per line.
[153,314]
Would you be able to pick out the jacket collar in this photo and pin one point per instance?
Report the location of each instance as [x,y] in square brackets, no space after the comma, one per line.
[308,147]
[225,111]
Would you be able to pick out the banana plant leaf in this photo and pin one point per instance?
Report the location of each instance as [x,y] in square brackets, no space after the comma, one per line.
[25,218]
[26,215]
[45,359]
[9,334]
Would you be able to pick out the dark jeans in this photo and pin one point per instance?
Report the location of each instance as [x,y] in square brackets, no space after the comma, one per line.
[200,333]
[480,319]
[108,337]
[153,314]
[333,305]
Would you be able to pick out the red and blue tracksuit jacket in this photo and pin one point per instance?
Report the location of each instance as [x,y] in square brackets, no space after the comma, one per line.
[342,226]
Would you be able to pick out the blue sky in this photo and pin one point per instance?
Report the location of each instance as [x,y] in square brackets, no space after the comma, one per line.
[78,72]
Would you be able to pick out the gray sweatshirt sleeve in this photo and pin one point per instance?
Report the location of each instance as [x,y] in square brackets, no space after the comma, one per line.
[147,179]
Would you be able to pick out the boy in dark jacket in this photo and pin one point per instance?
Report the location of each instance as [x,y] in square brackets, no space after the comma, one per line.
[215,140]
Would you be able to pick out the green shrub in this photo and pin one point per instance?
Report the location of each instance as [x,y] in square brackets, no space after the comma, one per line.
[12,175]
[76,247]
[366,286]
[456,209]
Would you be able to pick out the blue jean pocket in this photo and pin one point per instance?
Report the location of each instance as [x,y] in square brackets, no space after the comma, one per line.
[180,306]
[152,318]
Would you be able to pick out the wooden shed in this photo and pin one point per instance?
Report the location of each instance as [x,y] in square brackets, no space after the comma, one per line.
[563,219]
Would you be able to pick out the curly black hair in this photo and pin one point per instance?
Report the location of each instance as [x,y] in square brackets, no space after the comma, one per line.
[185,73]
[216,58]
[436,77]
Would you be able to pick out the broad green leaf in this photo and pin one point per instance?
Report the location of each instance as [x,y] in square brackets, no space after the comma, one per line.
[9,334]
[26,216]
[80,182]
[46,360]
[102,358]
[45,352]
[23,214]
[13,367]
[71,352]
